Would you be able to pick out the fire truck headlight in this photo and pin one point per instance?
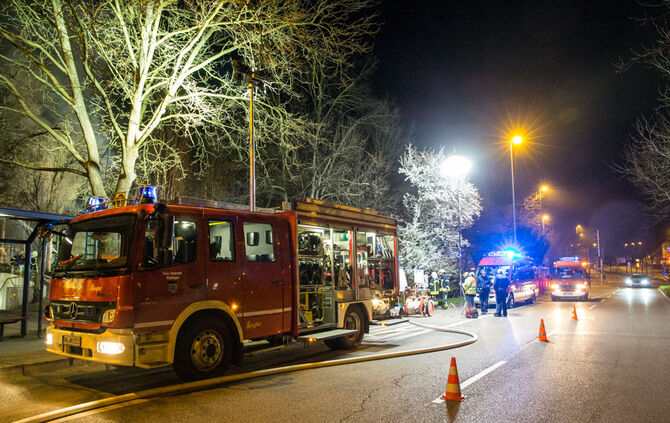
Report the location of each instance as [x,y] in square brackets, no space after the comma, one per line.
[108,316]
[376,302]
[106,347]
[629,281]
[554,286]
[49,339]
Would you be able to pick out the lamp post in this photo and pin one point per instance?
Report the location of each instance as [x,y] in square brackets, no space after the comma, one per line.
[545,218]
[457,167]
[516,140]
[253,80]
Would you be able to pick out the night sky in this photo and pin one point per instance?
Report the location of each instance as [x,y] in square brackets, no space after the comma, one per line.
[466,73]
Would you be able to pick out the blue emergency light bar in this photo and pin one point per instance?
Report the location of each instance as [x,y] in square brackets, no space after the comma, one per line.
[147,194]
[512,253]
[94,204]
[508,252]
[575,258]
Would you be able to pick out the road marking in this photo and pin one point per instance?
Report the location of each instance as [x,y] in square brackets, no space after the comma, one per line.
[592,306]
[474,378]
[468,320]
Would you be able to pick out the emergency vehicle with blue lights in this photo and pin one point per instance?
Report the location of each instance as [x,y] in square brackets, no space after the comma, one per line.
[570,279]
[193,284]
[526,280]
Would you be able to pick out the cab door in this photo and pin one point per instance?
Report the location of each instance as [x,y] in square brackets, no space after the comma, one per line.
[224,272]
[169,279]
[263,277]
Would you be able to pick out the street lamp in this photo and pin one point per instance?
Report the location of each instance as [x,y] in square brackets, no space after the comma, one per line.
[545,218]
[540,192]
[517,139]
[457,167]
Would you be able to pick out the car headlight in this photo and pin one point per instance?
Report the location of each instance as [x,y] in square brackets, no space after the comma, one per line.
[554,286]
[629,281]
[108,316]
[645,281]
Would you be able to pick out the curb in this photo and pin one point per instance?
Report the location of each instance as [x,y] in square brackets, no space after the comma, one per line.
[26,369]
[664,294]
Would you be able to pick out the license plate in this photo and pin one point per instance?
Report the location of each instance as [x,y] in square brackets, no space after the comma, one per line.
[72,340]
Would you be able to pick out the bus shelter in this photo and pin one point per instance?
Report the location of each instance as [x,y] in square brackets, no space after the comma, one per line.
[15,271]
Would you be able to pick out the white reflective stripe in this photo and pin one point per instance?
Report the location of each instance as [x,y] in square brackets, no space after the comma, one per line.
[264,312]
[150,324]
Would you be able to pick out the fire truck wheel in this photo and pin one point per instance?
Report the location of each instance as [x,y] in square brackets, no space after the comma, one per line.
[203,350]
[510,302]
[352,320]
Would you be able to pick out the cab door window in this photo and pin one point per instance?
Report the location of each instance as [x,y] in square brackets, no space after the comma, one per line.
[184,248]
[259,242]
[221,240]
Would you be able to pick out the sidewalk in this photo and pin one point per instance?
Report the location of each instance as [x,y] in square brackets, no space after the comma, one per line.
[19,354]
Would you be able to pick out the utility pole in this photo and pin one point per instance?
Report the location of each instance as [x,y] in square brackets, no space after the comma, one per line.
[600,258]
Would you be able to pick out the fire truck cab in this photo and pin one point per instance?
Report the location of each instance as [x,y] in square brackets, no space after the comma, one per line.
[570,279]
[189,285]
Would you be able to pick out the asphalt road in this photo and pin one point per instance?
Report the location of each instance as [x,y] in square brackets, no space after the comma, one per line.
[611,365]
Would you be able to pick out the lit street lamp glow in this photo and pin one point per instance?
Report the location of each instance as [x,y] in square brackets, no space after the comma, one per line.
[517,139]
[455,166]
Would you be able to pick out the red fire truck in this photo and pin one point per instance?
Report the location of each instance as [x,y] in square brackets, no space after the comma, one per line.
[570,279]
[190,283]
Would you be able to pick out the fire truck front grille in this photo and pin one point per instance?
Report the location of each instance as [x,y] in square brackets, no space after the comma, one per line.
[80,311]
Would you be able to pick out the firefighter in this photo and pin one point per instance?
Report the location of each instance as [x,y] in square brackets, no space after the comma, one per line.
[444,286]
[470,288]
[501,286]
[483,289]
[433,286]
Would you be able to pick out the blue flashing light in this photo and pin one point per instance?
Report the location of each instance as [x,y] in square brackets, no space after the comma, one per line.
[512,253]
[94,204]
[148,194]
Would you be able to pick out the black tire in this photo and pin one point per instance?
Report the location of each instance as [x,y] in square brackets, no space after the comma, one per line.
[352,320]
[585,297]
[532,298]
[204,349]
[554,298]
[510,302]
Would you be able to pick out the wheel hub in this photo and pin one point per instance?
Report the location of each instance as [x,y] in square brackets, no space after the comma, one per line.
[207,350]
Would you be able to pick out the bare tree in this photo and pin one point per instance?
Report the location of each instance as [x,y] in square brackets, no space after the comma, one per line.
[647,156]
[126,69]
[647,162]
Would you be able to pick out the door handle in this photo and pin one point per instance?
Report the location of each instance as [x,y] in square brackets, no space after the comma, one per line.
[277,282]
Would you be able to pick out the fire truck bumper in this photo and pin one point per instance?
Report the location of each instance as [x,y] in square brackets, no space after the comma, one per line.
[114,346]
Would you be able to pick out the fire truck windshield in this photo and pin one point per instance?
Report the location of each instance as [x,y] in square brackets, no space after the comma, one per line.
[96,245]
[569,273]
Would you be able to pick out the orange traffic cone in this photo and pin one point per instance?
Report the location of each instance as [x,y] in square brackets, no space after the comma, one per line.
[453,392]
[574,313]
[543,333]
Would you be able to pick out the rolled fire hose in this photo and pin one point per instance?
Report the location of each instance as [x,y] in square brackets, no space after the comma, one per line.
[209,383]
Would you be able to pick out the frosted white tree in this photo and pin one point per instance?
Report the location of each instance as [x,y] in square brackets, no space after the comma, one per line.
[428,232]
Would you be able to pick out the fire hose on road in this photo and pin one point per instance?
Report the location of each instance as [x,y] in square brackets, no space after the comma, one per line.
[210,383]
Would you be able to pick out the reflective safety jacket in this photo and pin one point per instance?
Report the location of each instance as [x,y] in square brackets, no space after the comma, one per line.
[444,284]
[433,286]
[470,286]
